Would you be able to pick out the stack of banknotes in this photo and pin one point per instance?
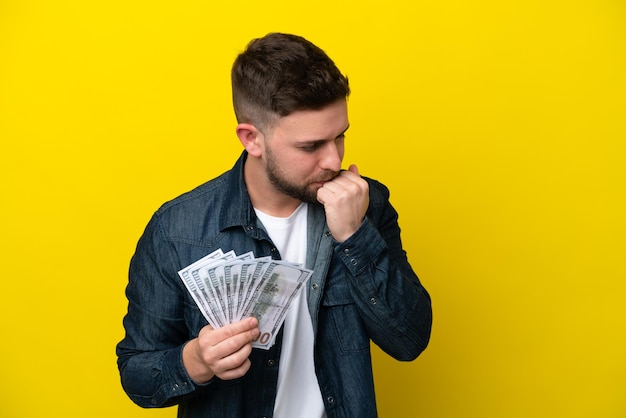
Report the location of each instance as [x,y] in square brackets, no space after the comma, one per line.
[228,287]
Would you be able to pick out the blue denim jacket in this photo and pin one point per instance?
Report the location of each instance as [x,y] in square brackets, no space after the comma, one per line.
[362,289]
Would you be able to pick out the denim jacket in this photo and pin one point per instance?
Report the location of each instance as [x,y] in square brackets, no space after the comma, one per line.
[362,290]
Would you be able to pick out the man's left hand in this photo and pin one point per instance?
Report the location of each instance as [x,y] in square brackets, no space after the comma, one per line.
[345,199]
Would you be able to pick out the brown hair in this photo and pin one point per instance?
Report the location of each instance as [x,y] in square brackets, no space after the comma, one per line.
[281,73]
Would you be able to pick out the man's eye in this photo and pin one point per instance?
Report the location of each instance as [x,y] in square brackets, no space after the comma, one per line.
[309,148]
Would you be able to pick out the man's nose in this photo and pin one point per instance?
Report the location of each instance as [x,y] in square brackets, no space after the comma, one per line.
[332,157]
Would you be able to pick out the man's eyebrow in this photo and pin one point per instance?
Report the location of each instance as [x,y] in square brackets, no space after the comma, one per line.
[344,131]
[315,141]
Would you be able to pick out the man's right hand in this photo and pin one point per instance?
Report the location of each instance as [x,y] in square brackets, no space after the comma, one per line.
[221,352]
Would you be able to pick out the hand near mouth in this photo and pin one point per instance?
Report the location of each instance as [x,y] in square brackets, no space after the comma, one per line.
[345,199]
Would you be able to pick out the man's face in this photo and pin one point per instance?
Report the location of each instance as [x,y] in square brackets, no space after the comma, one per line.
[305,149]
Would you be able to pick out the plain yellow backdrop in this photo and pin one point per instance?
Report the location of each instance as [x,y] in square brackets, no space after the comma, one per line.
[498,125]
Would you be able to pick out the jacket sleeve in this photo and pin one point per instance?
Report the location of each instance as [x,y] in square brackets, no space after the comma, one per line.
[395,307]
[150,355]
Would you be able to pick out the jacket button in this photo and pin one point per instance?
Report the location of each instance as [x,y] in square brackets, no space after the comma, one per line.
[330,399]
[271,363]
[314,286]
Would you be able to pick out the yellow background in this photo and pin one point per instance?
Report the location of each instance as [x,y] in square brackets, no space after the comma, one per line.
[498,125]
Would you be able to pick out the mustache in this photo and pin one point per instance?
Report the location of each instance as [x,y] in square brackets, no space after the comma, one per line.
[325,176]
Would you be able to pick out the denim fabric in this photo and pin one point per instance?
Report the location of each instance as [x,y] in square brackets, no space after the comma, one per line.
[362,290]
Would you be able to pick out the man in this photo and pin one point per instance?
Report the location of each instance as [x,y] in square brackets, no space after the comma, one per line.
[286,197]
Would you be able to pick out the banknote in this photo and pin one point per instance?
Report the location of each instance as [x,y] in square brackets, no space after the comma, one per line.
[279,286]
[228,287]
[196,289]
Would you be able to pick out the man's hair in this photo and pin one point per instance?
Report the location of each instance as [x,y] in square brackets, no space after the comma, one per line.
[282,73]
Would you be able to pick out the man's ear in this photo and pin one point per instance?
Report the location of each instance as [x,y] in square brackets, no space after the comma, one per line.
[250,137]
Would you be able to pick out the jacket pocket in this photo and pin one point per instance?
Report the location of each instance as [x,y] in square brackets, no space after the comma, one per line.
[340,320]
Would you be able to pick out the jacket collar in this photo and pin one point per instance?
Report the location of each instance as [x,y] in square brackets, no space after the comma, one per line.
[237,208]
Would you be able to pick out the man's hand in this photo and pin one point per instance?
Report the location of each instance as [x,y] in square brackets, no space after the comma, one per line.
[221,352]
[345,199]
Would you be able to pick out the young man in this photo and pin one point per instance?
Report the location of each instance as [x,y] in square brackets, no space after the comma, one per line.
[286,197]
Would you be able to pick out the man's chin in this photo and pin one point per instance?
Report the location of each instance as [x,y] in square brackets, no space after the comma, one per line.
[310,194]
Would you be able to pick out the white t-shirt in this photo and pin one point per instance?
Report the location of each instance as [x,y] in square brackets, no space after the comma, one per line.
[298,392]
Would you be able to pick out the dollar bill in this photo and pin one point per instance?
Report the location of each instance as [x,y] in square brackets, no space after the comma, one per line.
[196,289]
[280,285]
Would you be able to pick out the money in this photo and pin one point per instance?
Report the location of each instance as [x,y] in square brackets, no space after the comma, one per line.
[228,287]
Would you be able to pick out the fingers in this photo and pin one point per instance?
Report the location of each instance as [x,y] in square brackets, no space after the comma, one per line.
[234,365]
[230,338]
[232,345]
[221,352]
[345,199]
[237,330]
[348,181]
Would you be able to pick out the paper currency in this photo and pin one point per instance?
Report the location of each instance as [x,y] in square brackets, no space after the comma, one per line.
[228,287]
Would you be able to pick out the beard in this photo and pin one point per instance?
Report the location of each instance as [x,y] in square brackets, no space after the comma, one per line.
[303,192]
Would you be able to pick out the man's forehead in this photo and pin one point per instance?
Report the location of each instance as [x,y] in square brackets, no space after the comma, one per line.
[330,121]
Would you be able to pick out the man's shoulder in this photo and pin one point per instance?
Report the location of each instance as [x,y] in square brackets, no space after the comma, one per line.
[207,195]
[203,195]
[195,214]
[379,193]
